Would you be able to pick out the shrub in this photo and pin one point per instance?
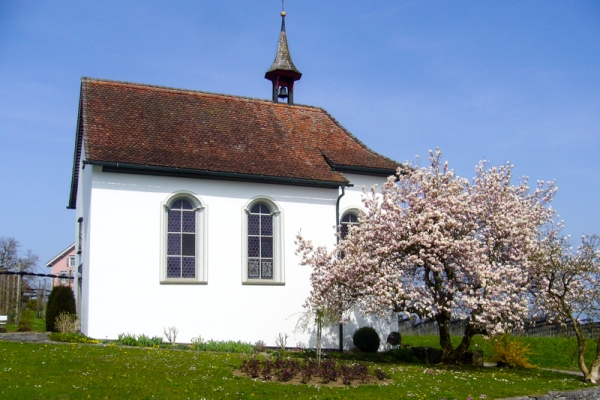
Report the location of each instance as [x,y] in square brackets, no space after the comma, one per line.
[225,346]
[352,372]
[171,334]
[309,353]
[404,354]
[24,321]
[260,346]
[381,374]
[71,338]
[32,305]
[61,300]
[286,369]
[309,369]
[127,339]
[251,367]
[147,341]
[510,352]
[281,341]
[366,339]
[67,323]
[266,373]
[329,371]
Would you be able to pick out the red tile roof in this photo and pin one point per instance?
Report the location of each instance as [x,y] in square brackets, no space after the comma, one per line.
[147,125]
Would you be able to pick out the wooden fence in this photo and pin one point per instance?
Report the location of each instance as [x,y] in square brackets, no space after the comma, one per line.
[531,329]
[8,295]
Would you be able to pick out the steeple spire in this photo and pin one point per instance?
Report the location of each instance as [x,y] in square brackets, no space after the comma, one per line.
[283,72]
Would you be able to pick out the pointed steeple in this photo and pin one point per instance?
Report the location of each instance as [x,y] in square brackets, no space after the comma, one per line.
[283,72]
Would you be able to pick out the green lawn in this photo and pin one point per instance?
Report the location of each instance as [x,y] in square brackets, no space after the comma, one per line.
[30,371]
[546,352]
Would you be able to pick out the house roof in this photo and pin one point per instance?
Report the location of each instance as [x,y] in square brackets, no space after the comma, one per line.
[60,255]
[162,130]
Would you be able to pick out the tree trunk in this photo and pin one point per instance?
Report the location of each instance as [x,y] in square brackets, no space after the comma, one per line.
[319,331]
[593,375]
[451,355]
[581,349]
[443,320]
[464,345]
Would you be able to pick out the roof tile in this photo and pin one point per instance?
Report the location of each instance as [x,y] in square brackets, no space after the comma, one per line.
[151,125]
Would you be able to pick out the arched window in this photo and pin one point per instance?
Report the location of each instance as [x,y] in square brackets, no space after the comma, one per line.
[181,240]
[260,242]
[348,220]
[184,255]
[263,255]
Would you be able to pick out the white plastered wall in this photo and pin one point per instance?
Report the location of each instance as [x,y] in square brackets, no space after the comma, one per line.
[121,286]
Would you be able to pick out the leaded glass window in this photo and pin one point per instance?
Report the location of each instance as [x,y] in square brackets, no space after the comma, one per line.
[348,220]
[181,240]
[260,242]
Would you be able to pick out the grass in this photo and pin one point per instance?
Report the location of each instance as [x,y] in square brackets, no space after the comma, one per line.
[546,352]
[37,324]
[29,371]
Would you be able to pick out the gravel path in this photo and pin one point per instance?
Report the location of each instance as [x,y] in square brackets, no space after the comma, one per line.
[25,337]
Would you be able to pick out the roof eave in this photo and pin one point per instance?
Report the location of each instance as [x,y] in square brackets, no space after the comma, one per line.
[60,255]
[365,170]
[157,170]
[76,155]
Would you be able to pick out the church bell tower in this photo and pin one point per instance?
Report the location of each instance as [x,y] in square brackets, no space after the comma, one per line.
[283,73]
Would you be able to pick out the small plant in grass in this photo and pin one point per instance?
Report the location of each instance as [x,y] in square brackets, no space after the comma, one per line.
[147,341]
[225,346]
[126,339]
[266,372]
[366,339]
[510,352]
[281,341]
[197,342]
[260,346]
[347,374]
[171,334]
[251,367]
[71,338]
[286,369]
[142,340]
[381,374]
[309,353]
[354,372]
[24,321]
[32,305]
[328,371]
[67,323]
[308,370]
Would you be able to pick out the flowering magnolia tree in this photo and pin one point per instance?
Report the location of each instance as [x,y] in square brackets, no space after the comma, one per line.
[566,284]
[435,245]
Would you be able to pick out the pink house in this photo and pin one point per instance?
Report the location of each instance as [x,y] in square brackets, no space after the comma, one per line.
[63,265]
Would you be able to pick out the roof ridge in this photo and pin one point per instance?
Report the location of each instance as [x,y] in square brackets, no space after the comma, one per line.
[61,254]
[357,140]
[190,91]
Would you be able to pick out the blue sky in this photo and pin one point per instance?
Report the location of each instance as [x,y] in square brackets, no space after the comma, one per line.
[502,80]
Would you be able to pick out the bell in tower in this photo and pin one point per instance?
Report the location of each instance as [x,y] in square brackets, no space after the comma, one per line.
[283,73]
